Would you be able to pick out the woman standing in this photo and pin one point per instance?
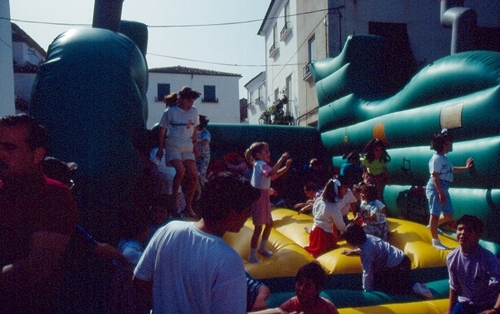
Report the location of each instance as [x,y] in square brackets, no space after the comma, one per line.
[178,136]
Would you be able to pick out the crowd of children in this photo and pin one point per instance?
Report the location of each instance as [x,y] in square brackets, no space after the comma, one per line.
[356,190]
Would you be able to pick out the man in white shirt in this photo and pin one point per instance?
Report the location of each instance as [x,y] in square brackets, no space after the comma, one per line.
[187,267]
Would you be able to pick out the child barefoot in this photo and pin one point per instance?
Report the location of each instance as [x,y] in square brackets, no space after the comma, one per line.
[259,156]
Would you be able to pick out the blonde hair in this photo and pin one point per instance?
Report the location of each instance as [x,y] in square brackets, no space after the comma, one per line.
[253,150]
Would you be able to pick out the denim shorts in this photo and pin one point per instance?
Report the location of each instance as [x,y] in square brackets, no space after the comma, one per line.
[435,207]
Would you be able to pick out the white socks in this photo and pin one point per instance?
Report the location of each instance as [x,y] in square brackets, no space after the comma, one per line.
[262,249]
[252,258]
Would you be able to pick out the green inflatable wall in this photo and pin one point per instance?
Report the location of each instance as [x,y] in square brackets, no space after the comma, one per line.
[459,92]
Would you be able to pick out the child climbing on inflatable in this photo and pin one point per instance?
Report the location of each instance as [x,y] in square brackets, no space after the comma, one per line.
[374,159]
[259,156]
[385,267]
[328,222]
[372,213]
[441,171]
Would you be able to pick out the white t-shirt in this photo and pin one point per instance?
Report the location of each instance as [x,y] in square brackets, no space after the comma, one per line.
[260,176]
[441,165]
[179,123]
[326,215]
[346,201]
[192,272]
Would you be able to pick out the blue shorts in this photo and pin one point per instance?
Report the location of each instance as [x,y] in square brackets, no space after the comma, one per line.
[435,207]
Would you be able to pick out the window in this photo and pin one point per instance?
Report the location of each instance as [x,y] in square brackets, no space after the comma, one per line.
[311,44]
[311,47]
[287,26]
[209,94]
[276,95]
[163,90]
[274,47]
[260,95]
[288,92]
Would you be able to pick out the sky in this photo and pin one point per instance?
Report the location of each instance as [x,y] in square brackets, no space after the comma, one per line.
[180,32]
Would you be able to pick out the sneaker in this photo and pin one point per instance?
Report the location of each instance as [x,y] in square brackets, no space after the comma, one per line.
[265,252]
[253,259]
[422,290]
[438,245]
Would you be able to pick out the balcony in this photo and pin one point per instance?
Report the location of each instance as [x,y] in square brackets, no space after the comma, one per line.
[273,50]
[285,31]
[306,72]
[210,99]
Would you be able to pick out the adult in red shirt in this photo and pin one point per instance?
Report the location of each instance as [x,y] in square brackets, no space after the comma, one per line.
[37,217]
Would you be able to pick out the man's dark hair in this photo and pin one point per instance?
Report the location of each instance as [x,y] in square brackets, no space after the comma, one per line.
[38,136]
[224,193]
[314,272]
[354,234]
[472,221]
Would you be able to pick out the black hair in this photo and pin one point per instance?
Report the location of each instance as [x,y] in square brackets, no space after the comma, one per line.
[38,136]
[472,221]
[354,234]
[314,272]
[224,193]
[370,191]
[370,146]
[440,139]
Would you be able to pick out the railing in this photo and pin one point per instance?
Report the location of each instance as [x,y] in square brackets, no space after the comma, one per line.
[210,100]
[306,71]
[273,50]
[287,28]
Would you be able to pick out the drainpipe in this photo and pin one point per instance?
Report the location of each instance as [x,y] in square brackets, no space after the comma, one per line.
[462,21]
[107,14]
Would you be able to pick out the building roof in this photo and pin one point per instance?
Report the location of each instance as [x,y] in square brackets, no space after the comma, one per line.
[255,77]
[185,70]
[18,35]
[261,29]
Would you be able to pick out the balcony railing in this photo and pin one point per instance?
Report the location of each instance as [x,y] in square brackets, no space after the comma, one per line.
[285,31]
[306,71]
[273,50]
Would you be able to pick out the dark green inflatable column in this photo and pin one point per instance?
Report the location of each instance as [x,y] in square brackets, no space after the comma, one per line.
[90,94]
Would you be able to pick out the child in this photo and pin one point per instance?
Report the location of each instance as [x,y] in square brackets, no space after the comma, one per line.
[328,222]
[203,142]
[474,272]
[312,192]
[441,171]
[385,267]
[259,156]
[125,298]
[257,294]
[372,213]
[309,283]
[348,201]
[352,170]
[374,160]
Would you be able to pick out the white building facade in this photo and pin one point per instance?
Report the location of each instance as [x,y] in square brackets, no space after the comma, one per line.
[298,32]
[256,101]
[219,99]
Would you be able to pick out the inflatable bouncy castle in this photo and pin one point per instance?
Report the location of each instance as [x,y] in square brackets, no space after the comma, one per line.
[90,95]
